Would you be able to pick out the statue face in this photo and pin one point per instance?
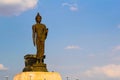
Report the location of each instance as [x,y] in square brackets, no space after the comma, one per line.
[38,19]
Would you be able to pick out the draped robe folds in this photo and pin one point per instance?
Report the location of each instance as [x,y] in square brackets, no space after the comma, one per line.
[39,36]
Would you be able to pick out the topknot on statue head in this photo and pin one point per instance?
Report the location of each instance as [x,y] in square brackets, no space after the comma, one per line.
[38,18]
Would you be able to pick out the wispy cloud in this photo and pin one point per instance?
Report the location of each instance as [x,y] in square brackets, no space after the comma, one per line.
[72,47]
[72,7]
[2,67]
[118,26]
[91,55]
[116,48]
[15,7]
[110,71]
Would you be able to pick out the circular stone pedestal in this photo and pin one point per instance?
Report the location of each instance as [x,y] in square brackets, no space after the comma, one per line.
[38,76]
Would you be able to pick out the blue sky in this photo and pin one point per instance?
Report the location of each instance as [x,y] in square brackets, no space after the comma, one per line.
[83,40]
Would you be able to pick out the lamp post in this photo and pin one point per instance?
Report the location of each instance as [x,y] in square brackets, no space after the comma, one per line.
[30,76]
[6,77]
[67,78]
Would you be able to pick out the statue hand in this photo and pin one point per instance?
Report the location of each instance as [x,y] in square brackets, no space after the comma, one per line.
[34,43]
[47,29]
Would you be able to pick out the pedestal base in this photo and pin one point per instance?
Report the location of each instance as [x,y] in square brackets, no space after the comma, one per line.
[33,64]
[38,76]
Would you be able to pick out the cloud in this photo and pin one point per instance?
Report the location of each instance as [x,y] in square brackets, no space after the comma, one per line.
[2,67]
[72,47]
[91,55]
[116,59]
[110,71]
[118,26]
[72,7]
[15,7]
[116,48]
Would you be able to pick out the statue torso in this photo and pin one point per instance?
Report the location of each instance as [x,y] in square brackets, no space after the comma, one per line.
[40,31]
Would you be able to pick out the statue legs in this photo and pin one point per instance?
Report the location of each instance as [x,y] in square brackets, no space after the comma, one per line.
[40,51]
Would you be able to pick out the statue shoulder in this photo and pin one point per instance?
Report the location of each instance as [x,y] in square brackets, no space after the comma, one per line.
[33,26]
[43,25]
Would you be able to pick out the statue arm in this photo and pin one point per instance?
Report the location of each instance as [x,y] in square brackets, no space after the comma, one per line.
[46,33]
[33,34]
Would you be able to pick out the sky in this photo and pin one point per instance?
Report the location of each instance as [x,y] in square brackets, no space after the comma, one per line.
[83,41]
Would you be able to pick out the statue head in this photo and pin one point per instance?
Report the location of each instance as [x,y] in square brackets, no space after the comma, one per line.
[38,18]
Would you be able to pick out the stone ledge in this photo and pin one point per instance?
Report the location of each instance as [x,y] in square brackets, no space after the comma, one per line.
[38,76]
